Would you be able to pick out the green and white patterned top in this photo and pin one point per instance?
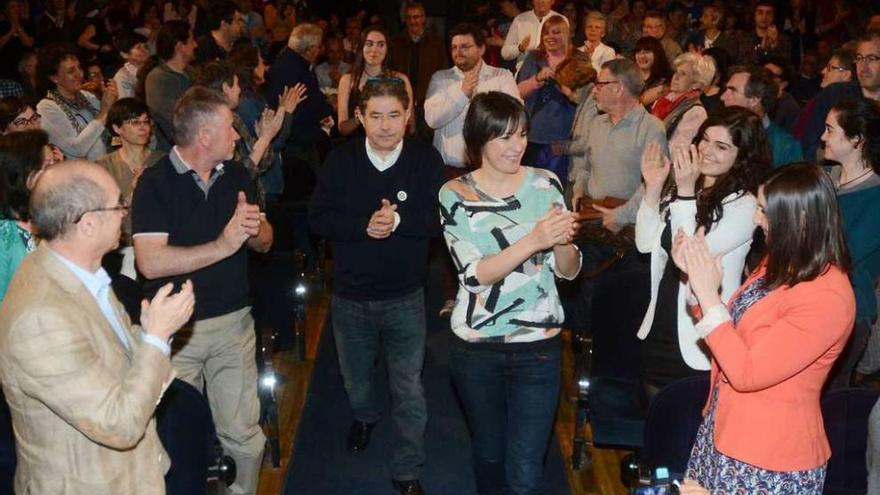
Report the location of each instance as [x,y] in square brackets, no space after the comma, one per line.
[524,306]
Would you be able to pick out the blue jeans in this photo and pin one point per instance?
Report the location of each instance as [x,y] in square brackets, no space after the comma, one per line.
[510,401]
[395,327]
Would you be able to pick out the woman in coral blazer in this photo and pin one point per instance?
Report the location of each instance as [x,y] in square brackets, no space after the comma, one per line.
[773,345]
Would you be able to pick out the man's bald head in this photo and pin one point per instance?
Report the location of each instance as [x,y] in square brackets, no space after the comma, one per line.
[64,193]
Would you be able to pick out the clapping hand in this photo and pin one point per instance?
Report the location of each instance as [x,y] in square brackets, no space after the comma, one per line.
[244,224]
[269,124]
[292,97]
[382,222]
[166,313]
[686,165]
[704,270]
[524,43]
[556,228]
[471,79]
[655,171]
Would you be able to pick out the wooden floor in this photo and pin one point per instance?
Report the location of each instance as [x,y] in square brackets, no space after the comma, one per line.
[602,479]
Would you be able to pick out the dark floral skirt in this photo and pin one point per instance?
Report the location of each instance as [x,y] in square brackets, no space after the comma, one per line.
[723,475]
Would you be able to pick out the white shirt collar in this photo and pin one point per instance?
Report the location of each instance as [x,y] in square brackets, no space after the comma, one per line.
[383,164]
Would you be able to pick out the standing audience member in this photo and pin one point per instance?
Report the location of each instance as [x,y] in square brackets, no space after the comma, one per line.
[765,39]
[194,217]
[52,26]
[164,85]
[525,31]
[227,25]
[754,88]
[709,187]
[15,38]
[868,65]
[418,54]
[132,47]
[24,155]
[595,29]
[774,343]
[786,111]
[74,119]
[550,111]
[654,25]
[82,382]
[375,201]
[510,235]
[654,68]
[129,120]
[714,36]
[681,109]
[16,115]
[372,61]
[452,90]
[852,139]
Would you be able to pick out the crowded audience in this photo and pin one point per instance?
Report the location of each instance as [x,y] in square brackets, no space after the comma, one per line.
[588,145]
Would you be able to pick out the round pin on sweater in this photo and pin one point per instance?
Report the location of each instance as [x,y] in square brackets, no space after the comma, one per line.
[401,195]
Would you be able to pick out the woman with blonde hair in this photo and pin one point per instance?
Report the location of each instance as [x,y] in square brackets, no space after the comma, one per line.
[550,111]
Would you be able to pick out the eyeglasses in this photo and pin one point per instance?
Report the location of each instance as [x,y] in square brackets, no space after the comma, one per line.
[122,206]
[30,121]
[871,59]
[836,67]
[139,122]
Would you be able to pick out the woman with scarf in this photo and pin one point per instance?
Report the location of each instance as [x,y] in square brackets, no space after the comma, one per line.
[680,109]
[74,119]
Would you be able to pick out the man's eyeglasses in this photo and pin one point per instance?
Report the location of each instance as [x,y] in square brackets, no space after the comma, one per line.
[122,206]
[27,121]
[871,59]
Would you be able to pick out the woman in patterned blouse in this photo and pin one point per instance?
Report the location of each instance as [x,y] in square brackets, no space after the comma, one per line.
[509,234]
[774,344]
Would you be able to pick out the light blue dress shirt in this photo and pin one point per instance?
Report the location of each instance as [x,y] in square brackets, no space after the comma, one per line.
[98,285]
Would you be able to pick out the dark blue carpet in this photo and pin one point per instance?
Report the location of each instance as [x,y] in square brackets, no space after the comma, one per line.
[322,465]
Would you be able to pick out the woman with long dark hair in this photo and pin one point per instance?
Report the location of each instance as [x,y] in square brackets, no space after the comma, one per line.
[650,57]
[372,61]
[774,343]
[712,189]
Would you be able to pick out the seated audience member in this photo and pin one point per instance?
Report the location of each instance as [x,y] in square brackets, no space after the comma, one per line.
[81,381]
[510,236]
[808,80]
[16,115]
[765,39]
[680,109]
[163,86]
[16,37]
[786,112]
[132,47]
[774,343]
[74,119]
[841,68]
[333,67]
[550,111]
[712,29]
[23,157]
[375,201]
[451,91]
[27,77]
[754,88]
[654,69]
[95,40]
[852,139]
[595,29]
[129,120]
[709,186]
[711,97]
[654,25]
[371,62]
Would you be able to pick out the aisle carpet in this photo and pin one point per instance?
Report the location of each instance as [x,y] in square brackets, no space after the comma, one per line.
[322,465]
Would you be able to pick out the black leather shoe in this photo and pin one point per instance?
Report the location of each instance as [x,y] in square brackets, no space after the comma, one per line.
[359,436]
[408,487]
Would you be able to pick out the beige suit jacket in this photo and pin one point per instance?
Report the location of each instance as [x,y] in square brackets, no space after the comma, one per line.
[82,404]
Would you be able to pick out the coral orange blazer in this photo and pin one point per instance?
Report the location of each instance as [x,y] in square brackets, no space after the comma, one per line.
[769,371]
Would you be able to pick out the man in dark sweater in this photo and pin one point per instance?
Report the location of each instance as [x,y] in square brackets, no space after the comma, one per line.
[375,200]
[227,26]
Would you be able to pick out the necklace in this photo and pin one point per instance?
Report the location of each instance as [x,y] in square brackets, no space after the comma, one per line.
[864,174]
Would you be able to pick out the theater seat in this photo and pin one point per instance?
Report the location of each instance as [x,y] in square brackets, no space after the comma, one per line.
[7,448]
[846,412]
[184,423]
[673,419]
